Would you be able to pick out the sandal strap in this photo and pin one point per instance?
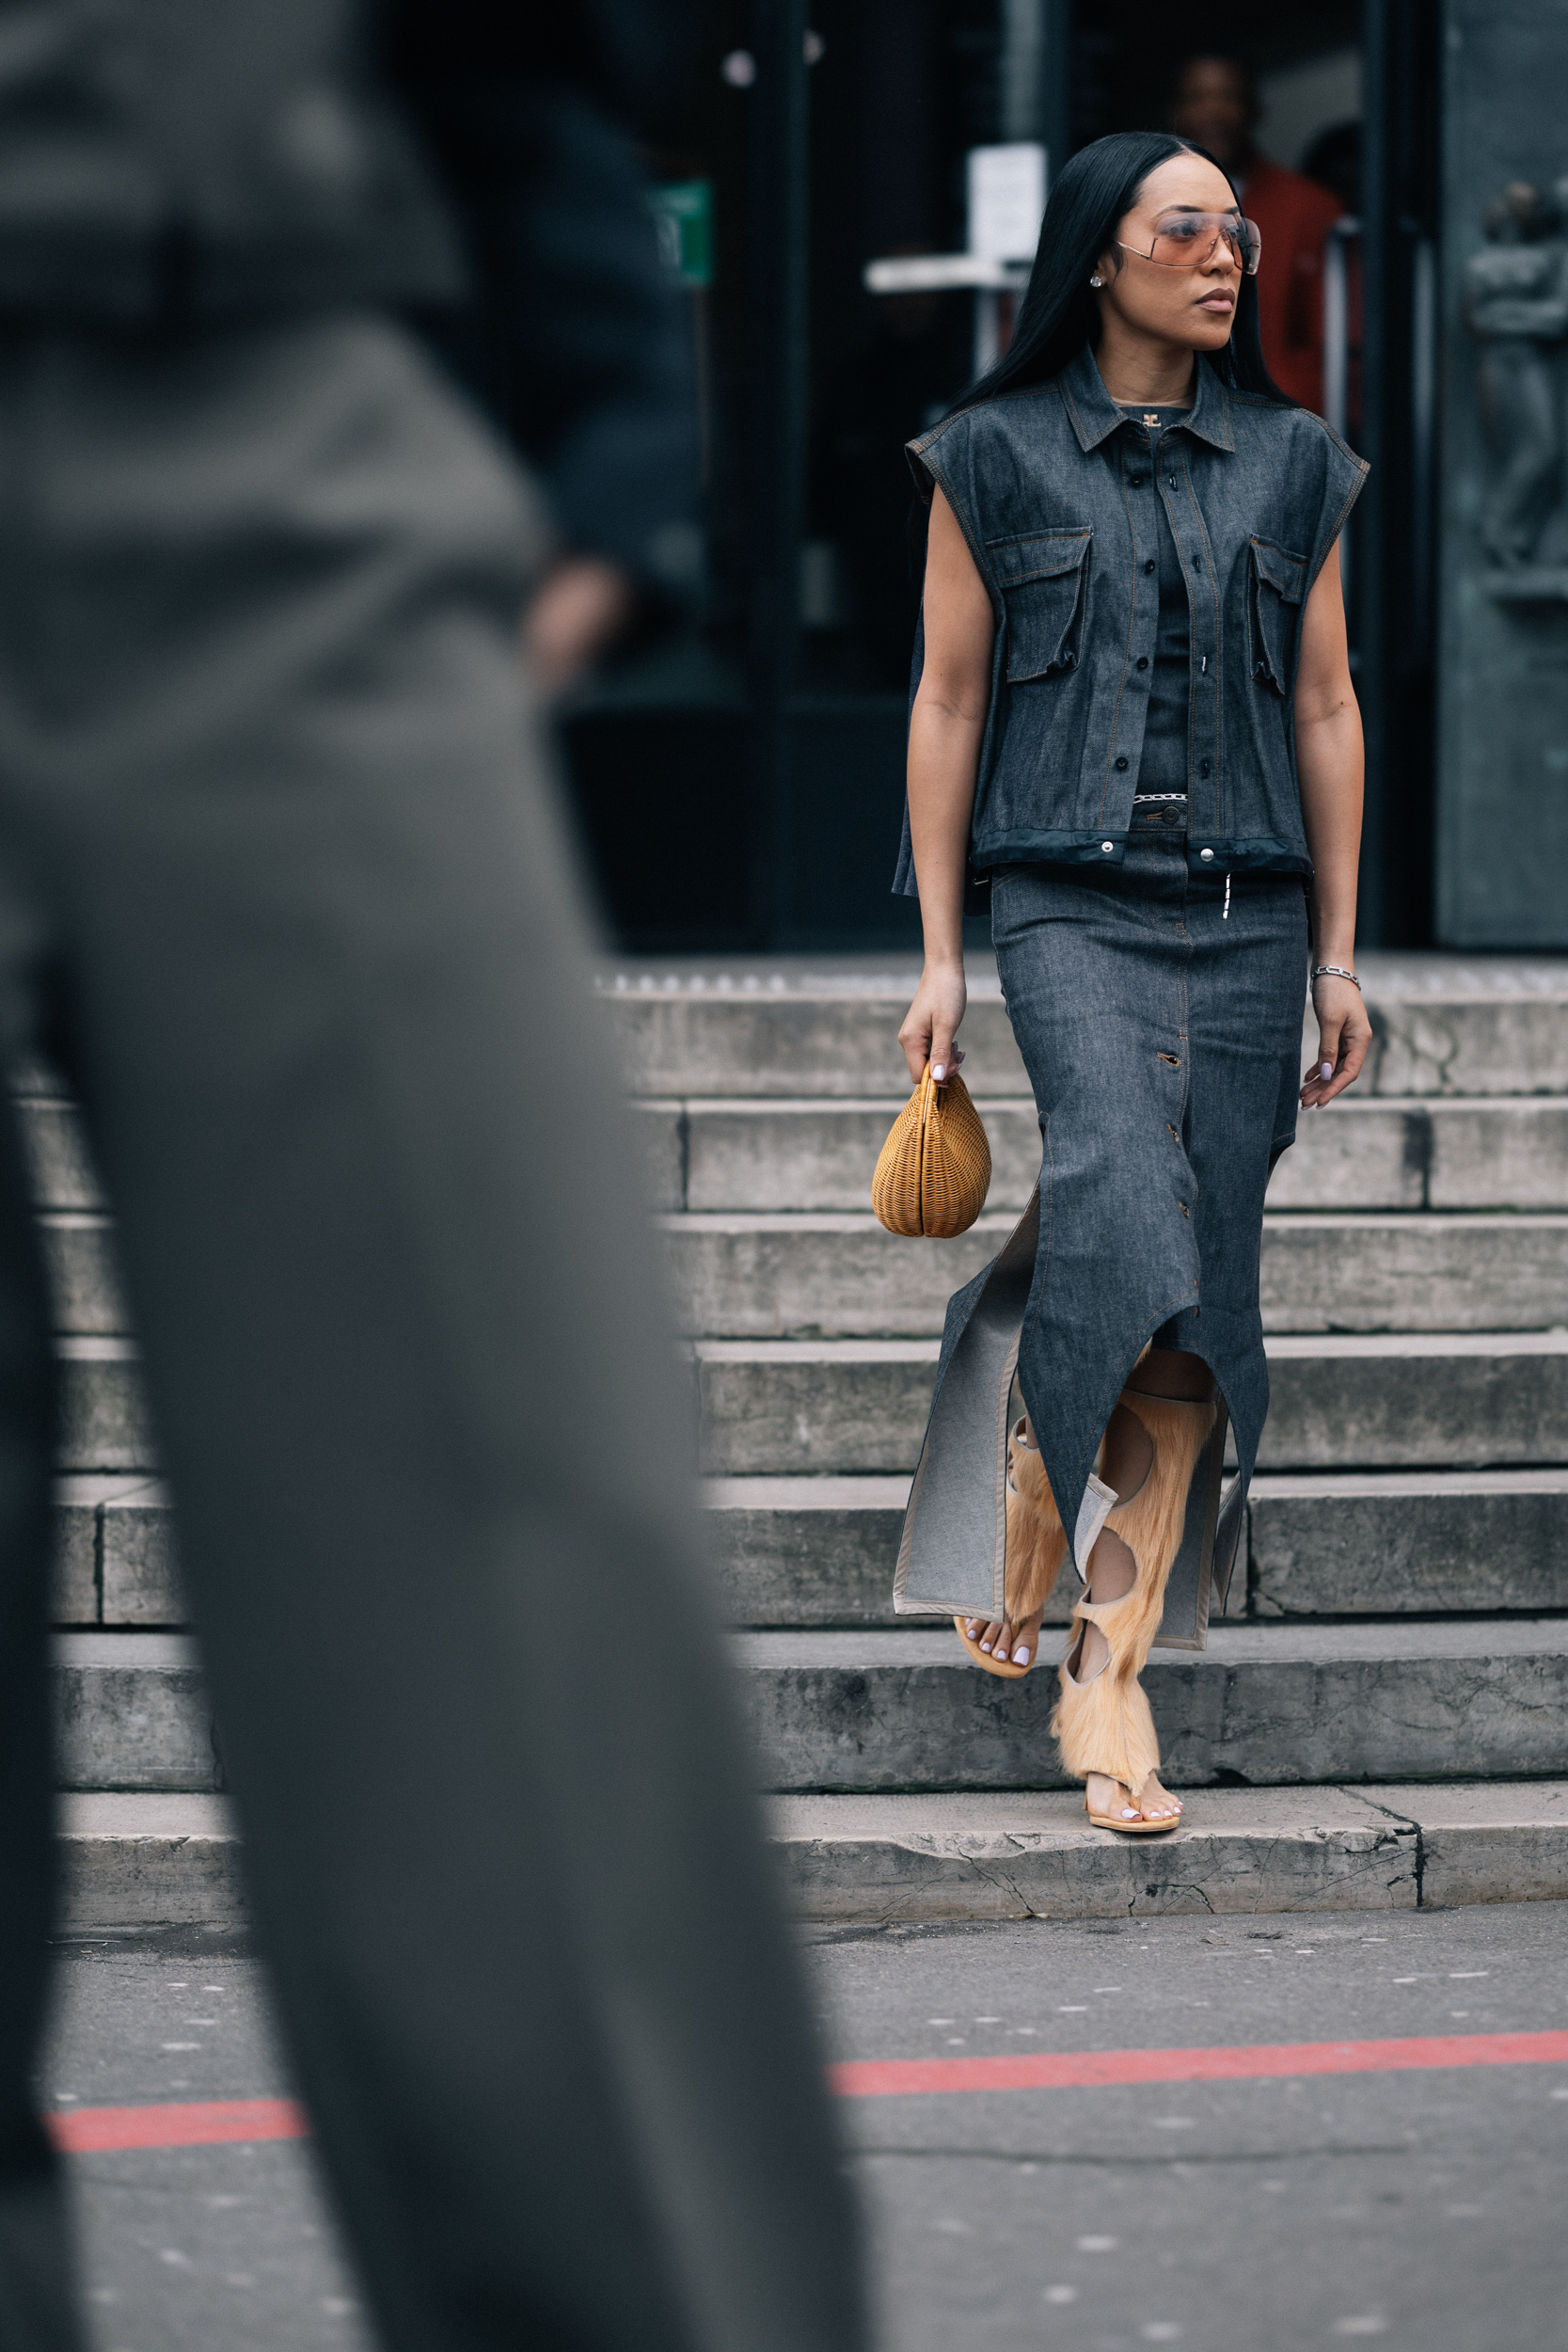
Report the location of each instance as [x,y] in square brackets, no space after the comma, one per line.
[1096,1611]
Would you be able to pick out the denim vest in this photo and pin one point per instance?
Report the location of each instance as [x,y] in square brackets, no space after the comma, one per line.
[1054,491]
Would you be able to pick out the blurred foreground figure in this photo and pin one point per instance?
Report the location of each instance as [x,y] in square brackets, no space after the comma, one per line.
[281,884]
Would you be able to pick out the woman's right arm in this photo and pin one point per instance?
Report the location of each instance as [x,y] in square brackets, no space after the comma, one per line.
[945,729]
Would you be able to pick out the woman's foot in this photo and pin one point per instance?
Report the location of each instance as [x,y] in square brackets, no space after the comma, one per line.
[1001,1637]
[1036,1532]
[1113,1800]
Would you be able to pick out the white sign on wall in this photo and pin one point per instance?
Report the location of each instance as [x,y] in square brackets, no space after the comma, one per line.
[1006,196]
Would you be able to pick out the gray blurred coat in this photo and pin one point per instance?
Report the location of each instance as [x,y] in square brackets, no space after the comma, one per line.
[282,885]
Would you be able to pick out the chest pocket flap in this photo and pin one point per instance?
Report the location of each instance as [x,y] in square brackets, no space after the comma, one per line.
[1042,579]
[1278,585]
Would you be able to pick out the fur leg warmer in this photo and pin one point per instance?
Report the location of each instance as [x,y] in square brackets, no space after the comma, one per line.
[1037,1540]
[1103,1723]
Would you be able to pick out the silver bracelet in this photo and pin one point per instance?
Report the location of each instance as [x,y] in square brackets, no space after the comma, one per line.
[1336,972]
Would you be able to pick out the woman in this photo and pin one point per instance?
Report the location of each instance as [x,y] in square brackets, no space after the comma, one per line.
[1135,719]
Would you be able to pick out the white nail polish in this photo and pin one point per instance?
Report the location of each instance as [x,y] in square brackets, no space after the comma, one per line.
[986,1647]
[1021,1656]
[939,1072]
[1325,1070]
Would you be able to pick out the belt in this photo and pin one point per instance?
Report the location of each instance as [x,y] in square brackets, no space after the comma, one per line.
[1160,808]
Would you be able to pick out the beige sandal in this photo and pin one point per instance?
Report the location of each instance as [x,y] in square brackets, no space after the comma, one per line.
[1037,1546]
[1102,1722]
[1137,1828]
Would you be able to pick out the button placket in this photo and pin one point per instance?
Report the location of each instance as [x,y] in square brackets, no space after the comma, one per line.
[1203,806]
[1137,474]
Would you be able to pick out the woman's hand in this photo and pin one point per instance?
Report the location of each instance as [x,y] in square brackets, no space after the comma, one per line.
[1344,1034]
[926,1035]
[573,615]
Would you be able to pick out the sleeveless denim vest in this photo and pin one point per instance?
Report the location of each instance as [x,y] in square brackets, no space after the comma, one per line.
[1055,494]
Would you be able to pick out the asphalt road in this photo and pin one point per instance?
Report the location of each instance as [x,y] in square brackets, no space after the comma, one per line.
[1421,2208]
[227,2248]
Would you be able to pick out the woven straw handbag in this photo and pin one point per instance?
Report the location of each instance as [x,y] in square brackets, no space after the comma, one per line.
[934,1171]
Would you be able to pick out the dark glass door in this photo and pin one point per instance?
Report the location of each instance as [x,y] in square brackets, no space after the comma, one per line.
[742,786]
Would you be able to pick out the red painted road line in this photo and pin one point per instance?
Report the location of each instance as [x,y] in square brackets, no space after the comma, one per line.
[82,2130]
[892,2078]
[86,2131]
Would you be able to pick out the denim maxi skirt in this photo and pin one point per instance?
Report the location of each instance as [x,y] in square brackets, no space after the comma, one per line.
[1161,1027]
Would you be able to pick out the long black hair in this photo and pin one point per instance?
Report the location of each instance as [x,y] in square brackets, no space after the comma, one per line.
[1057,315]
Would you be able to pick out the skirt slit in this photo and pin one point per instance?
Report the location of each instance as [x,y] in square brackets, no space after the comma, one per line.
[1161,1036]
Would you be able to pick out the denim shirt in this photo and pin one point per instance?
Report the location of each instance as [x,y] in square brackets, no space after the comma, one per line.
[1054,491]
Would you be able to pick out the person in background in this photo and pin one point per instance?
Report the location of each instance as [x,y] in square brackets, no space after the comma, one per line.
[284,891]
[1334,161]
[564,335]
[1214,102]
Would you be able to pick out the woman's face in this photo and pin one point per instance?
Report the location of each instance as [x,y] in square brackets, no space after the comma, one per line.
[1193,303]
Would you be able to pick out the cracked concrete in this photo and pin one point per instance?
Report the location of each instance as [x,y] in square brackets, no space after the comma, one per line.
[1270,1704]
[970,1856]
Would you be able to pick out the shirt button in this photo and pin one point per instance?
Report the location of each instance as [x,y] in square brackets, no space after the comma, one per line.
[1107,846]
[1206,853]
[1171,478]
[1143,661]
[1121,763]
[1137,480]
[1149,565]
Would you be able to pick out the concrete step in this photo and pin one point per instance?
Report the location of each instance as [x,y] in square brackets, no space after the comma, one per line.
[818,1153]
[84,1281]
[104,1419]
[878,1711]
[1385,1401]
[1408,1543]
[114,1554]
[58,1162]
[131,1859]
[789,1029]
[815,1155]
[747,1276]
[1241,1852]
[130,1712]
[821,1551]
[140,1860]
[1264,1703]
[784,1026]
[810,1551]
[799,1406]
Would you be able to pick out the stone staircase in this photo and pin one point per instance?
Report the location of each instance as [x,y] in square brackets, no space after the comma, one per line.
[1382,1720]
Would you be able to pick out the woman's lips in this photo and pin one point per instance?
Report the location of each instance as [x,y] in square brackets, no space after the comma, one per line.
[1222,305]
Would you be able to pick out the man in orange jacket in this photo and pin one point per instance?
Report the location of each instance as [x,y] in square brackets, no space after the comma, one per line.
[1214,102]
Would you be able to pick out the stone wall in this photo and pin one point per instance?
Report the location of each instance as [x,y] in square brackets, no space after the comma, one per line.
[1502,839]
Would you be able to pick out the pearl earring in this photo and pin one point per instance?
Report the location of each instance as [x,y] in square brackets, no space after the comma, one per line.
[1097,279]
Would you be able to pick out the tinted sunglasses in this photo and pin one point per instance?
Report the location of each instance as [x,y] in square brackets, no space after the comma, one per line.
[1188,240]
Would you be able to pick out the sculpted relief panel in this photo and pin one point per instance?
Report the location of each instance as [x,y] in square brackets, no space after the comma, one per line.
[1515,305]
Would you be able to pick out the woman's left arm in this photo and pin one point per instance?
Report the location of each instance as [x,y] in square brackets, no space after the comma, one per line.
[1329,763]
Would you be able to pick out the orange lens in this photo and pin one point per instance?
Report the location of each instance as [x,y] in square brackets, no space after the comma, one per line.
[1187,240]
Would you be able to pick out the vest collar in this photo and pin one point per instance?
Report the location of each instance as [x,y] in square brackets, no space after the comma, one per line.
[1095,415]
